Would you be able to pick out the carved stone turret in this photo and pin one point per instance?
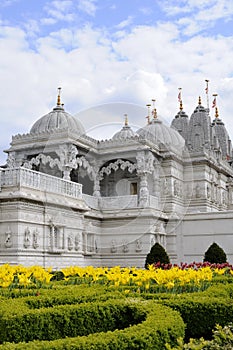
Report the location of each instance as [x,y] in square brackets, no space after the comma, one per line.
[181,122]
[222,136]
[199,135]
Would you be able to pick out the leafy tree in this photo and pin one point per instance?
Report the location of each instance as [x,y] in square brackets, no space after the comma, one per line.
[157,254]
[215,254]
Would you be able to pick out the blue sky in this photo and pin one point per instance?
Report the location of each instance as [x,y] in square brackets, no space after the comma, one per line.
[107,52]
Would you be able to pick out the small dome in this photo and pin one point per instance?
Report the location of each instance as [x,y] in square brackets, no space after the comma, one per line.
[57,120]
[159,133]
[125,133]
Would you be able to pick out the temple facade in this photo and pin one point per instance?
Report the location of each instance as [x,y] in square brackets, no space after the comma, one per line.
[69,199]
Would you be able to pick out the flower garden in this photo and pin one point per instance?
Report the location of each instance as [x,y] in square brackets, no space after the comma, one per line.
[164,307]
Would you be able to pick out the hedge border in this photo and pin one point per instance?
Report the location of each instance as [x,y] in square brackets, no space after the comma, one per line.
[162,325]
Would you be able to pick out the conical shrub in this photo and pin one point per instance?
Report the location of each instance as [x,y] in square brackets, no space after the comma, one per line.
[157,254]
[215,254]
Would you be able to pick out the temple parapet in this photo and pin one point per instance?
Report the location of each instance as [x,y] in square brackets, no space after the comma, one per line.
[22,177]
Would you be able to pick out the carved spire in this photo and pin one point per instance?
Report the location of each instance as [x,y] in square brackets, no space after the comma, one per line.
[216,113]
[199,100]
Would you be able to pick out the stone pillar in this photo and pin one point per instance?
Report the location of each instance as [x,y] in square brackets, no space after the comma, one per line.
[96,189]
[66,173]
[143,191]
[229,201]
[145,163]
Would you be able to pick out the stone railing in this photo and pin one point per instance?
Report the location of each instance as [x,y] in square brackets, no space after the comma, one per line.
[22,177]
[120,202]
[153,202]
[91,201]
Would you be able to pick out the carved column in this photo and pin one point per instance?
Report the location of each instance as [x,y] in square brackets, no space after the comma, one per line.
[68,158]
[96,179]
[144,167]
[143,191]
[96,189]
[156,181]
[229,200]
[66,173]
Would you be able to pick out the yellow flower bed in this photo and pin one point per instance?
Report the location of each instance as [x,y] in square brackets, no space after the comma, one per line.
[23,276]
[143,279]
[174,279]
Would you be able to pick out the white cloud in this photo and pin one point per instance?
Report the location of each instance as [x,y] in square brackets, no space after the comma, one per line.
[58,11]
[5,3]
[125,23]
[32,27]
[198,15]
[87,6]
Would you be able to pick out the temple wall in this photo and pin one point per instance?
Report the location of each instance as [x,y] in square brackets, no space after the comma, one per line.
[196,232]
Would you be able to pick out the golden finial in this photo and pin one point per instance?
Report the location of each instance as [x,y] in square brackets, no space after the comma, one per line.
[199,100]
[207,86]
[59,97]
[126,120]
[154,111]
[216,112]
[214,103]
[181,105]
[179,95]
[148,116]
[207,93]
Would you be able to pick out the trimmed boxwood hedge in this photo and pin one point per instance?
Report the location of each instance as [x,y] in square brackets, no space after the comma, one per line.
[161,325]
[22,324]
[201,316]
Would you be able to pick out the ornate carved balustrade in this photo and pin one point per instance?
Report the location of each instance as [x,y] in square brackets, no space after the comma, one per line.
[22,177]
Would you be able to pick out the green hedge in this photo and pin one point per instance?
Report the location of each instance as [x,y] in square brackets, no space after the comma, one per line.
[201,316]
[23,324]
[73,295]
[162,325]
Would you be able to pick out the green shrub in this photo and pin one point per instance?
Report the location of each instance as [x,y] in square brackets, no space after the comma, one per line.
[161,325]
[202,314]
[215,254]
[222,340]
[66,321]
[157,254]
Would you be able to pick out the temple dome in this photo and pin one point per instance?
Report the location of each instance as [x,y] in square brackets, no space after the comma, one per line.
[159,133]
[57,120]
[125,133]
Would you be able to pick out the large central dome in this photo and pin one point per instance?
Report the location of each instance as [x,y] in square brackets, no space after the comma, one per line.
[57,120]
[159,133]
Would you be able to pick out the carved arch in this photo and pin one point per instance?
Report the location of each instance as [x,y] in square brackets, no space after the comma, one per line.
[83,162]
[41,158]
[119,163]
[79,162]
